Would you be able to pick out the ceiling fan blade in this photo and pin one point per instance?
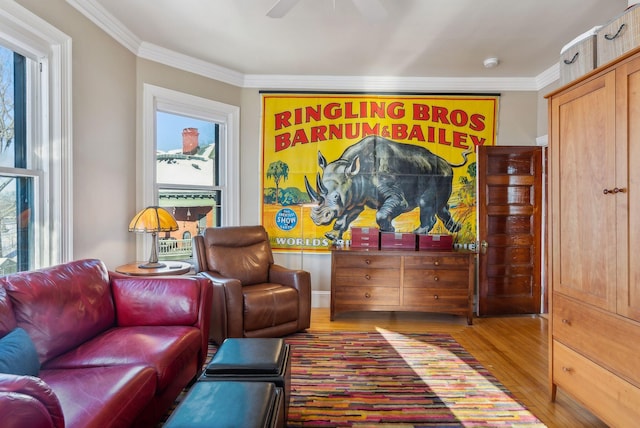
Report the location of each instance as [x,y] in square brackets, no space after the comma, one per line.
[281,8]
[371,9]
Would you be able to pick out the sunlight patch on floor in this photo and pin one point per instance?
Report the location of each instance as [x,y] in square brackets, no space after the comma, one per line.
[460,386]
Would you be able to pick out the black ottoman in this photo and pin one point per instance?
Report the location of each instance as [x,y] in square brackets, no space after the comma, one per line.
[230,405]
[252,360]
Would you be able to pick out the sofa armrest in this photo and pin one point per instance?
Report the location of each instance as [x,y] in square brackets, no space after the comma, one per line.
[301,281]
[163,301]
[27,401]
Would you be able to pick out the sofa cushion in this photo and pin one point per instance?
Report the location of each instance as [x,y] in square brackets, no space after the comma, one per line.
[18,354]
[102,396]
[174,301]
[165,348]
[62,306]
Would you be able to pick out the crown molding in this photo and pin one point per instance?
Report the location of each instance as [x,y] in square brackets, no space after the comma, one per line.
[389,83]
[187,63]
[103,19]
[99,16]
[549,76]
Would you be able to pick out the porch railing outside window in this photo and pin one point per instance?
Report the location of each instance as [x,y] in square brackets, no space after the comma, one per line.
[174,249]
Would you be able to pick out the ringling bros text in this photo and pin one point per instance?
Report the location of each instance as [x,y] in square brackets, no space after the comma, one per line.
[376,118]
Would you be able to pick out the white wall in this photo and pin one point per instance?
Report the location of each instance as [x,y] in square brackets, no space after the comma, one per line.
[104,124]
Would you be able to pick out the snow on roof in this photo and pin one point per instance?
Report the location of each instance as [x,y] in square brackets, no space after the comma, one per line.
[173,167]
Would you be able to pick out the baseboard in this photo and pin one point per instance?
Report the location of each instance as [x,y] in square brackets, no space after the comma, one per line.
[320,299]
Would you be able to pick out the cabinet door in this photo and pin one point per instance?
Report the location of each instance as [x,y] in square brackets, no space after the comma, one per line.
[628,178]
[583,217]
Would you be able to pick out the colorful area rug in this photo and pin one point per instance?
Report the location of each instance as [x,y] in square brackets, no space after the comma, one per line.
[387,378]
[346,379]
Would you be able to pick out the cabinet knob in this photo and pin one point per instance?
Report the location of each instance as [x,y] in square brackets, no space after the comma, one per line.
[367,295]
[437,263]
[435,278]
[566,321]
[435,297]
[567,369]
[367,276]
[367,261]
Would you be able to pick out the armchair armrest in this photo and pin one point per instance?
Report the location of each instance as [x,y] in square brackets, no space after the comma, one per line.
[163,301]
[199,252]
[227,317]
[28,401]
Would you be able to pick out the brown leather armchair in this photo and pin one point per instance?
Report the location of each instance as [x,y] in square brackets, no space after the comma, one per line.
[252,296]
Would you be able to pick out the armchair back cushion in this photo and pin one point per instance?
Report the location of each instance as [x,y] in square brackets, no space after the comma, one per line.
[244,256]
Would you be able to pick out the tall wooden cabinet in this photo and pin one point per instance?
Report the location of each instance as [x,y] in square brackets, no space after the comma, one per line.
[595,240]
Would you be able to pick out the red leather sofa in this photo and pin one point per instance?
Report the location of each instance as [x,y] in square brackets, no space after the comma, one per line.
[101,349]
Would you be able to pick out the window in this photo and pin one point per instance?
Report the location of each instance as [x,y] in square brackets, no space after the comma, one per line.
[190,159]
[16,179]
[34,143]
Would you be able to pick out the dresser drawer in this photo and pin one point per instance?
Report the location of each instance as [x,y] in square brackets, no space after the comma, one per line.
[342,260]
[591,331]
[611,398]
[437,261]
[362,297]
[452,279]
[358,277]
[436,299]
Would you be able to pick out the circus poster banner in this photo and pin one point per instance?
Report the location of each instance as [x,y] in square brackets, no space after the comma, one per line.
[397,162]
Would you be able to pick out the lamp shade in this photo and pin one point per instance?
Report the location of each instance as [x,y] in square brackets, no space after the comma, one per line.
[153,219]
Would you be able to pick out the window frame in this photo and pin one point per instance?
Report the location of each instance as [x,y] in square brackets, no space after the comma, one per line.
[49,101]
[228,116]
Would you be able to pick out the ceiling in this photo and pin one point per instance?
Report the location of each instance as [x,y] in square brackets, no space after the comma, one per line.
[416,39]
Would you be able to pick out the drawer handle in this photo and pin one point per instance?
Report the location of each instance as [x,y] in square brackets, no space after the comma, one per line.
[567,369]
[367,261]
[572,60]
[435,278]
[566,321]
[614,190]
[435,297]
[367,295]
[615,36]
[367,276]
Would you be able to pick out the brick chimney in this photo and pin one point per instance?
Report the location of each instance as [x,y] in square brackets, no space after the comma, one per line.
[190,141]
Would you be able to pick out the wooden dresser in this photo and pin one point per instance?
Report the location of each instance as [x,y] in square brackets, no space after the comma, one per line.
[594,240]
[402,280]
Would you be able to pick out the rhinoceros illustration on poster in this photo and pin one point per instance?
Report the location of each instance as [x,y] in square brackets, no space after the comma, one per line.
[390,177]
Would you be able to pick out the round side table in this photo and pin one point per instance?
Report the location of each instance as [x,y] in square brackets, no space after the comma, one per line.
[171,268]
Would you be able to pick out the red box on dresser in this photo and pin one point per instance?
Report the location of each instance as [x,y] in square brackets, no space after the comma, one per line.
[405,241]
[365,237]
[435,242]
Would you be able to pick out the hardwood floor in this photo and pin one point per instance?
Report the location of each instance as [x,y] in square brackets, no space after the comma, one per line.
[513,348]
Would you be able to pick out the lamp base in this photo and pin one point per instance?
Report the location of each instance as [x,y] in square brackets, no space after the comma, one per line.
[151,265]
